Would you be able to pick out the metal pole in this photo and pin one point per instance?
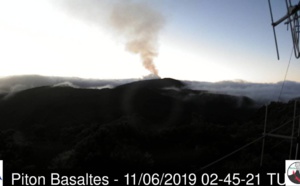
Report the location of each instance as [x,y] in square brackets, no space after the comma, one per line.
[264,135]
[297,146]
[274,32]
[291,148]
[280,136]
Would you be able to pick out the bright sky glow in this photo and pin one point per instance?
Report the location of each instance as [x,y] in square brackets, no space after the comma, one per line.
[203,40]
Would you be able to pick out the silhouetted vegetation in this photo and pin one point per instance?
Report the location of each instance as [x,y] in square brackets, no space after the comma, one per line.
[147,124]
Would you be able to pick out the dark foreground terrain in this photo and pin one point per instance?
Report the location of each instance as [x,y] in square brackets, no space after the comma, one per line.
[145,125]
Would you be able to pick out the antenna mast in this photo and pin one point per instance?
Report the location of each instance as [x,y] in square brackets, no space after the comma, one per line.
[292,19]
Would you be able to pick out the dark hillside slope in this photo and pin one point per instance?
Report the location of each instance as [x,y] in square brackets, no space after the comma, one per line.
[54,106]
[146,123]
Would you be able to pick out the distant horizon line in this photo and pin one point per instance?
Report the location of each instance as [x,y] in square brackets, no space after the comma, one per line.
[149,76]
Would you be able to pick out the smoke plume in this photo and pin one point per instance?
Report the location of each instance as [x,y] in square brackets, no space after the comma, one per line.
[140,25]
[137,23]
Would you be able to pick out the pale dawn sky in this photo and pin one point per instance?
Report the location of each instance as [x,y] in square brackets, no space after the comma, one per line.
[199,40]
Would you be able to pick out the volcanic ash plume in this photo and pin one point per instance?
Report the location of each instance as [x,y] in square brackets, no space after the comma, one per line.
[140,26]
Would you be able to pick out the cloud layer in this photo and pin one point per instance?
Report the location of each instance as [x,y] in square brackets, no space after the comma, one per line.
[260,92]
[13,84]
